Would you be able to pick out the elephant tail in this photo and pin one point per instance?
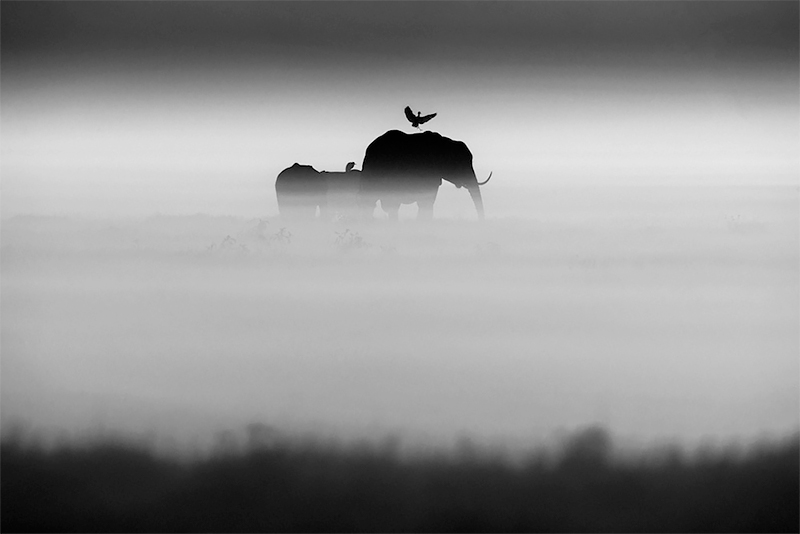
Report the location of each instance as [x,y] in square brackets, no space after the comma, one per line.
[489,178]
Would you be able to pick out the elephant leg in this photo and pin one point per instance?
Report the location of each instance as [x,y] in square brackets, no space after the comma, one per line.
[366,205]
[296,208]
[391,207]
[425,205]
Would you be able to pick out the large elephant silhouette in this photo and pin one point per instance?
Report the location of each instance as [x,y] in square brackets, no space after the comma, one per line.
[402,168]
[301,189]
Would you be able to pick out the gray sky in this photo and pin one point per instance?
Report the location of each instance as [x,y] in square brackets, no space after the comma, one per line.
[128,105]
[519,33]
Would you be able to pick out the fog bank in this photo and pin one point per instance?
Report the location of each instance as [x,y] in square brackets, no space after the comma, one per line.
[657,313]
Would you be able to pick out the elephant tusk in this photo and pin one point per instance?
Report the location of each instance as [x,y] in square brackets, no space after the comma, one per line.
[490,176]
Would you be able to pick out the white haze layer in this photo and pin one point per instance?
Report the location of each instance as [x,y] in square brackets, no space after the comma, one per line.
[658,312]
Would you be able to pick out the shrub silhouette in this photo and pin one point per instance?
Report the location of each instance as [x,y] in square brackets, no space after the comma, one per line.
[274,484]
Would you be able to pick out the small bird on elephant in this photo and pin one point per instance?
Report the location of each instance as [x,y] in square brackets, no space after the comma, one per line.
[417,119]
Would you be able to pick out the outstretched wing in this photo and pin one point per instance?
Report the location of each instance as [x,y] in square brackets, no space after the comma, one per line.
[426,118]
[410,114]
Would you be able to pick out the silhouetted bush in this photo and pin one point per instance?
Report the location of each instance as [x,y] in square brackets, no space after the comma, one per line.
[279,485]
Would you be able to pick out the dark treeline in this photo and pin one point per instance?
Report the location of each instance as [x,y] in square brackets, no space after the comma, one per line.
[113,487]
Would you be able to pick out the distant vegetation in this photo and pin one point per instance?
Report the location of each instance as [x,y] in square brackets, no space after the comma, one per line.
[278,485]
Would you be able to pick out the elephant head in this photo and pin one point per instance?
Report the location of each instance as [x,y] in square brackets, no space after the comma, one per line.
[402,168]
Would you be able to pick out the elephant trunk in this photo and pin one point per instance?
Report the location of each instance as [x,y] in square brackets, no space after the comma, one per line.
[475,192]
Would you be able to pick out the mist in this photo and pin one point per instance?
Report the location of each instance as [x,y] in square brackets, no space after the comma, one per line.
[660,322]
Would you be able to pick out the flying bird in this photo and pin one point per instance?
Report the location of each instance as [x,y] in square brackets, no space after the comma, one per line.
[418,119]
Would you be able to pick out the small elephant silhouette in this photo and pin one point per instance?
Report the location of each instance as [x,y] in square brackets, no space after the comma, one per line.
[302,190]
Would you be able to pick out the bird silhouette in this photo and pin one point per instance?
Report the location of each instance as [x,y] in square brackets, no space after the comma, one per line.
[417,119]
